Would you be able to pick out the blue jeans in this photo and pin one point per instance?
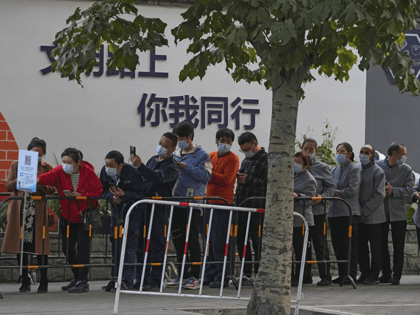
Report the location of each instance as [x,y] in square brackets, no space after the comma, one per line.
[134,228]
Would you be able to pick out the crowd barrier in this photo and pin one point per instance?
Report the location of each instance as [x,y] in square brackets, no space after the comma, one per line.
[191,206]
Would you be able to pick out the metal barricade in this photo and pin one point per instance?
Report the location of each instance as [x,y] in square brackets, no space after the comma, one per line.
[191,206]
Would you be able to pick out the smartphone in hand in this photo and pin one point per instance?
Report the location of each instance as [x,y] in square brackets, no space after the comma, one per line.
[67,192]
[132,150]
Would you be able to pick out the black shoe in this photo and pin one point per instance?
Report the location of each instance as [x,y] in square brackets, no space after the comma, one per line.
[80,287]
[394,281]
[324,283]
[217,284]
[384,279]
[151,288]
[337,280]
[371,281]
[70,285]
[26,287]
[43,286]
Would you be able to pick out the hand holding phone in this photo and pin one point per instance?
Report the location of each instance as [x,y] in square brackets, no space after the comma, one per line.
[132,150]
[67,192]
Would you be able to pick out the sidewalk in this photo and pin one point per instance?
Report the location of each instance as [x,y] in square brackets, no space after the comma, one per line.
[379,299]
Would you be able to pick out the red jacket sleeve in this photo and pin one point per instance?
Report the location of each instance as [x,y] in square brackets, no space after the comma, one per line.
[51,178]
[95,186]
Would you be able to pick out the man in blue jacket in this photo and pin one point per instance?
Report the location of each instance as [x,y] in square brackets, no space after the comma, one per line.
[196,168]
[159,177]
[122,185]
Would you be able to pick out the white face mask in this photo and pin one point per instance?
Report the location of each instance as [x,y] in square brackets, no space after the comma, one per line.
[364,159]
[183,144]
[298,168]
[68,168]
[224,147]
[402,160]
[39,159]
[311,155]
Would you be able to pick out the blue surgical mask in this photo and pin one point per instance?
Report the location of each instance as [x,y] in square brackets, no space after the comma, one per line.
[402,160]
[224,147]
[364,159]
[161,151]
[111,171]
[68,168]
[298,168]
[39,159]
[182,144]
[341,158]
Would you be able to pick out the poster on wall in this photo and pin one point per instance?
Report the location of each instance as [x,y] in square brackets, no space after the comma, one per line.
[27,171]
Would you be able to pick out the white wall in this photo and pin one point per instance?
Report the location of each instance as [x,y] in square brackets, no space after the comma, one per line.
[102,116]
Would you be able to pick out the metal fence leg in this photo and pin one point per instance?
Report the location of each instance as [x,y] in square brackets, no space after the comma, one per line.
[226,254]
[165,257]
[146,252]
[184,258]
[243,254]
[206,250]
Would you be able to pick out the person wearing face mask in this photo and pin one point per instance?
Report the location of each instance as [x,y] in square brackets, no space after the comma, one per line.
[75,177]
[399,182]
[122,186]
[371,197]
[304,186]
[196,169]
[159,176]
[36,213]
[251,182]
[222,184]
[326,187]
[347,178]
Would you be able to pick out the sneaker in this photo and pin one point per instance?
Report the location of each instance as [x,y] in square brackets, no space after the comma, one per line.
[80,287]
[70,285]
[175,283]
[247,280]
[369,281]
[217,284]
[324,283]
[192,284]
[394,281]
[338,280]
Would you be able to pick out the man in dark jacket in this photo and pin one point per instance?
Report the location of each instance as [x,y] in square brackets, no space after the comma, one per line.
[159,177]
[122,185]
[252,182]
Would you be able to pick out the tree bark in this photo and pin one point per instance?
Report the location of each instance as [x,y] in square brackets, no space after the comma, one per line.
[271,293]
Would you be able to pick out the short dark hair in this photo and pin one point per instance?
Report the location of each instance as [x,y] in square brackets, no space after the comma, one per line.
[171,136]
[305,158]
[225,132]
[73,153]
[36,142]
[310,140]
[184,129]
[116,155]
[246,137]
[348,147]
[395,146]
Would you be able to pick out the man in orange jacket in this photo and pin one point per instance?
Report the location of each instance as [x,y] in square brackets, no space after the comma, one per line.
[225,167]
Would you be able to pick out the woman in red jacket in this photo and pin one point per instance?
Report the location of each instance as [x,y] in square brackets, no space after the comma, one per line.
[73,178]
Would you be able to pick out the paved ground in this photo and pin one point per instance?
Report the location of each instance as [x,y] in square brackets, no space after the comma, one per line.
[380,299]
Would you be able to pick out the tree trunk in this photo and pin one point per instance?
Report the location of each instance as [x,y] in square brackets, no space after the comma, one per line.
[271,294]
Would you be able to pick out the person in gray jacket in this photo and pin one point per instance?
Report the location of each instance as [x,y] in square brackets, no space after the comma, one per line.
[325,188]
[347,178]
[371,197]
[304,186]
[398,187]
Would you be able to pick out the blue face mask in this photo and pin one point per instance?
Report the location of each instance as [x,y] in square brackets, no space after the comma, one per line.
[341,158]
[182,144]
[298,168]
[111,171]
[68,168]
[224,147]
[161,151]
[364,159]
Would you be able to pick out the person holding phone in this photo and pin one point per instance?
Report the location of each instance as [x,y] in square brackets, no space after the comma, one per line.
[36,218]
[74,176]
[251,182]
[122,186]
